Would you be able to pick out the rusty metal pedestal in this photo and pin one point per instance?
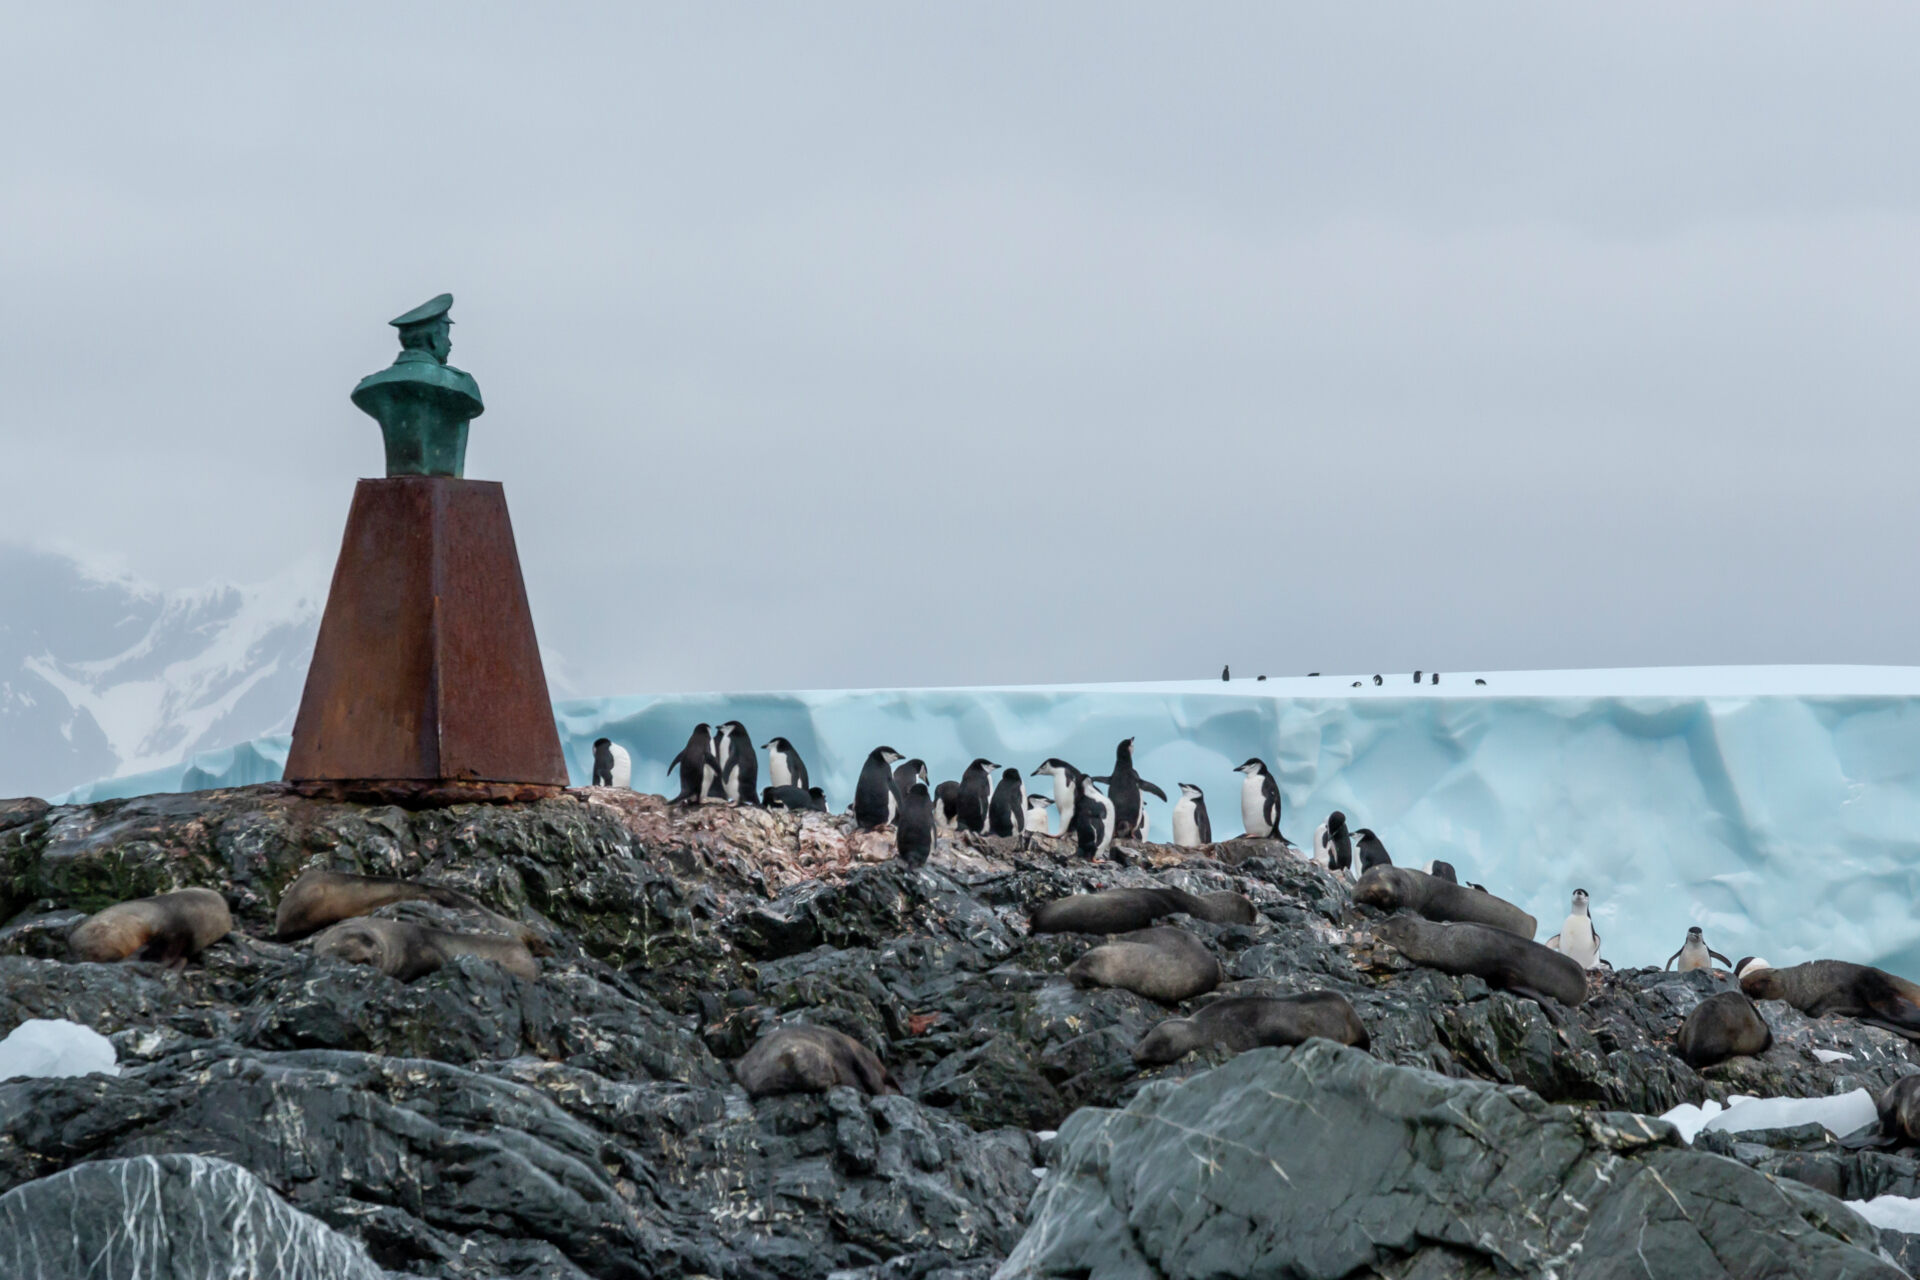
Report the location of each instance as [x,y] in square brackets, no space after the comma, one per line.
[426,685]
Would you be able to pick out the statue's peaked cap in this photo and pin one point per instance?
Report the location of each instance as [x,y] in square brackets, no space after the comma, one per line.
[432,309]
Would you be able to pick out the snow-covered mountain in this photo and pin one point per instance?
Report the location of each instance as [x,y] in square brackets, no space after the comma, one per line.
[102,674]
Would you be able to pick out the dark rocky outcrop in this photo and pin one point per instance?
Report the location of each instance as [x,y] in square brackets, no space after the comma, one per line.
[1321,1162]
[474,1123]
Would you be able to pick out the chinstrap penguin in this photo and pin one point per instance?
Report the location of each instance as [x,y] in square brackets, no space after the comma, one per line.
[905,775]
[794,798]
[612,766]
[1373,853]
[946,806]
[1694,953]
[976,794]
[1259,801]
[913,836]
[1577,939]
[1066,786]
[699,769]
[1124,786]
[1092,820]
[739,767]
[1333,844]
[1037,807]
[874,802]
[785,768]
[1191,828]
[1007,807]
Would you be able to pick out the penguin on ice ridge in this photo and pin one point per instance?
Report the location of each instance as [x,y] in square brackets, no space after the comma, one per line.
[1191,828]
[784,765]
[612,766]
[1577,938]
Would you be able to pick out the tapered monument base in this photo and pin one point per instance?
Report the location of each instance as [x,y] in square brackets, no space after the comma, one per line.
[426,679]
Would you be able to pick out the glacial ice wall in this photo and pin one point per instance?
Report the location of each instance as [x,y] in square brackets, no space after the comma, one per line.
[1778,808]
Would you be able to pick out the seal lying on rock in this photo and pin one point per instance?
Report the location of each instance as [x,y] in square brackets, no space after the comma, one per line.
[320,898]
[1240,1023]
[167,927]
[1720,1027]
[1168,965]
[1899,1109]
[1121,910]
[1820,987]
[404,950]
[807,1059]
[1516,964]
[1404,889]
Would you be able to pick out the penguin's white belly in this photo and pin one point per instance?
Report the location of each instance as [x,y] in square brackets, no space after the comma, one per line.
[1106,826]
[1576,941]
[1692,957]
[1063,801]
[622,767]
[1140,831]
[778,771]
[1186,832]
[1037,821]
[1322,847]
[1253,806]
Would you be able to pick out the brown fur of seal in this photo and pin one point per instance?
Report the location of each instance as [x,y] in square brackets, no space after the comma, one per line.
[1164,964]
[1504,960]
[1124,910]
[1240,1023]
[167,927]
[1722,1026]
[1899,1107]
[1404,889]
[404,950]
[1821,987]
[809,1059]
[321,897]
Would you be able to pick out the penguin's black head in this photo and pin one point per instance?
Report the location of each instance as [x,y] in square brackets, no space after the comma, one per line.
[1336,822]
[1694,932]
[981,764]
[1010,775]
[776,743]
[602,744]
[919,791]
[1125,750]
[1188,789]
[887,754]
[704,727]
[818,793]
[1252,766]
[1365,833]
[1377,680]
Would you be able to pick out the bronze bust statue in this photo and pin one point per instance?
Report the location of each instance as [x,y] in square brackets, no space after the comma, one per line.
[422,403]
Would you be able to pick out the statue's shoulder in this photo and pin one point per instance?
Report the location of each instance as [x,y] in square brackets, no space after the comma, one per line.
[427,371]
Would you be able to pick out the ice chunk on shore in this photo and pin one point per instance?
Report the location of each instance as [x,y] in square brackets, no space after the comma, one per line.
[44,1047]
[1896,1212]
[1841,1114]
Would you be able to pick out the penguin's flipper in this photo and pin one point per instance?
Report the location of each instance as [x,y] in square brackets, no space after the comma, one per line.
[1105,782]
[1717,956]
[1553,942]
[675,762]
[1670,960]
[1150,788]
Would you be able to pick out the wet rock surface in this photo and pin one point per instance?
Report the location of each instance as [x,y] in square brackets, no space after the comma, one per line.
[476,1124]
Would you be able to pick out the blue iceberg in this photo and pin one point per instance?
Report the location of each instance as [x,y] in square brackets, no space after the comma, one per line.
[1777,807]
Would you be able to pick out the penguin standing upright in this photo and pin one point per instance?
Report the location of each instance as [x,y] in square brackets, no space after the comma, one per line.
[874,801]
[913,836]
[739,767]
[1066,786]
[612,766]
[1577,938]
[1373,853]
[1037,807]
[1007,808]
[1092,820]
[784,766]
[1694,953]
[904,776]
[946,806]
[1124,786]
[1259,801]
[976,794]
[1191,828]
[697,765]
[1333,844]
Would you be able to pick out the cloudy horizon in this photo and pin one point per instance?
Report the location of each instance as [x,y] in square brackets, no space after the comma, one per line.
[874,347]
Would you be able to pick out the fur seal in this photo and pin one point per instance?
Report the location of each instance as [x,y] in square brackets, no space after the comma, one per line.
[808,1059]
[1168,965]
[168,927]
[404,950]
[1240,1023]
[1899,1109]
[1722,1026]
[1820,987]
[1516,964]
[321,897]
[1123,910]
[1404,889]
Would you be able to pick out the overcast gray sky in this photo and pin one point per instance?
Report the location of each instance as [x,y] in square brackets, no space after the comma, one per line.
[893,344]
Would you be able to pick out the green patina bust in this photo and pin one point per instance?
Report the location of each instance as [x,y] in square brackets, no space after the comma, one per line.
[422,403]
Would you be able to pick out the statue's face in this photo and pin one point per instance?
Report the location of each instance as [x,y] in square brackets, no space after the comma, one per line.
[440,340]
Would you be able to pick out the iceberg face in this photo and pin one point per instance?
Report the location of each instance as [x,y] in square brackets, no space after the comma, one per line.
[1778,808]
[42,1048]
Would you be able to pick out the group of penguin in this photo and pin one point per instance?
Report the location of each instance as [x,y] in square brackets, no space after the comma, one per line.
[719,764]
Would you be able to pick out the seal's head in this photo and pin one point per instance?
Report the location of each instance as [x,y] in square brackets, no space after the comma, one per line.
[1171,1041]
[354,942]
[1759,981]
[1380,887]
